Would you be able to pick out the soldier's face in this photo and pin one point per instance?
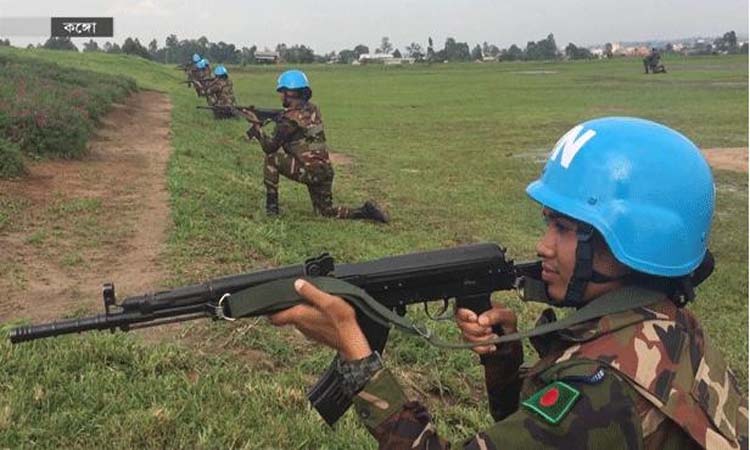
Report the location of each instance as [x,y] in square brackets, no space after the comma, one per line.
[557,249]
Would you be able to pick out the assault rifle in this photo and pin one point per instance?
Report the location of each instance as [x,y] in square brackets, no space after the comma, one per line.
[263,114]
[469,274]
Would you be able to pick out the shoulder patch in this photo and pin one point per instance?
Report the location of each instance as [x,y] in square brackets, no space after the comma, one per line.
[553,402]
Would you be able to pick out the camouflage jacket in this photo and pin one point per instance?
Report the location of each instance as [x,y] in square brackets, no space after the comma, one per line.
[299,131]
[643,379]
[220,92]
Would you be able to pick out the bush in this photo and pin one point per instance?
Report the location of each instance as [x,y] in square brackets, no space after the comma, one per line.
[49,110]
[11,161]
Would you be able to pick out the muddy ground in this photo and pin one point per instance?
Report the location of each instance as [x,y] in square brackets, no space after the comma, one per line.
[81,223]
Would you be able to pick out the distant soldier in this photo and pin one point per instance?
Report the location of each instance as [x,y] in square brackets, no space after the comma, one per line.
[220,92]
[304,159]
[200,75]
[652,62]
[191,67]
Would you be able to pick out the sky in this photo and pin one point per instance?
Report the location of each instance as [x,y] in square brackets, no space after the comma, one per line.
[327,25]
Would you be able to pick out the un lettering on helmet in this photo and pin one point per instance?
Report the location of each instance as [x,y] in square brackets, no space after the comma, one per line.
[570,144]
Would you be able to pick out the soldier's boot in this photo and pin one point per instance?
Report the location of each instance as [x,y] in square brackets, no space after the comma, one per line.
[370,211]
[272,203]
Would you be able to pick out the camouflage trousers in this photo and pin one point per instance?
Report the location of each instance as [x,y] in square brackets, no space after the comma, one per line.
[318,179]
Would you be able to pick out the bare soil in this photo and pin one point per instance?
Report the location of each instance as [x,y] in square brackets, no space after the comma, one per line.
[340,159]
[727,158]
[82,223]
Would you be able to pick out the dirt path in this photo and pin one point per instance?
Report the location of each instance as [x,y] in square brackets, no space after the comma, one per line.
[727,158]
[81,223]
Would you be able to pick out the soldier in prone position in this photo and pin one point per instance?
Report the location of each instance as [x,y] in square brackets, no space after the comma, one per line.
[645,378]
[220,92]
[299,133]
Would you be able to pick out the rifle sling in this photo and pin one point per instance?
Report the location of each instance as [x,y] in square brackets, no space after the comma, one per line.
[276,296]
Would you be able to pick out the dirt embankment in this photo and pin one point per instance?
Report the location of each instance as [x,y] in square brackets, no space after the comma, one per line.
[727,158]
[78,224]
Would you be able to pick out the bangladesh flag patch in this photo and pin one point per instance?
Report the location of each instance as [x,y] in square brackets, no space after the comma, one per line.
[553,402]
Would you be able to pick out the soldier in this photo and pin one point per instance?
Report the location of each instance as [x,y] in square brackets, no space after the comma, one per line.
[220,92]
[299,132]
[620,230]
[200,76]
[653,63]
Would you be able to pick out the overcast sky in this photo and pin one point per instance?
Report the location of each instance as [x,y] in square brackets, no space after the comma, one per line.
[327,25]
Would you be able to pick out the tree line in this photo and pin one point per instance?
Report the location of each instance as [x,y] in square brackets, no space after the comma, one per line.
[178,51]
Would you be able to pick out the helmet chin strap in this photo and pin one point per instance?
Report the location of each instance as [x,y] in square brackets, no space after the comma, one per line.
[583,272]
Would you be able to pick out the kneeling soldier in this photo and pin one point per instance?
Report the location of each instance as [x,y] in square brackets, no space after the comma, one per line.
[299,132]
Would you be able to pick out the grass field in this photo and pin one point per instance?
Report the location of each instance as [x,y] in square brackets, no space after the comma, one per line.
[448,149]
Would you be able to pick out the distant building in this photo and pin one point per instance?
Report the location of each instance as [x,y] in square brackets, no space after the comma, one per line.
[266,57]
[374,58]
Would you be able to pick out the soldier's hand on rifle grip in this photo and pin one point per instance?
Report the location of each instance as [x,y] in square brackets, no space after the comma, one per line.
[478,328]
[326,319]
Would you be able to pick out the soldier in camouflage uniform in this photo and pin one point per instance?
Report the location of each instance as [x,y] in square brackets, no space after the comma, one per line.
[220,92]
[304,159]
[646,378]
[199,76]
[652,62]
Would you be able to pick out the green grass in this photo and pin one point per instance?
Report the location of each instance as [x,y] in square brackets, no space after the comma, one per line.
[448,149]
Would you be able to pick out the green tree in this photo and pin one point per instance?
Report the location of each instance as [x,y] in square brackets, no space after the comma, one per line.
[133,47]
[608,48]
[346,56]
[727,43]
[60,43]
[4,42]
[573,52]
[247,55]
[361,50]
[512,53]
[476,53]
[112,48]
[153,49]
[91,46]
[385,45]
[490,50]
[414,50]
[542,50]
[456,51]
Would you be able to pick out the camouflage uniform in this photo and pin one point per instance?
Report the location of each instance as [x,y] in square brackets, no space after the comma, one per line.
[305,160]
[220,92]
[199,78]
[646,379]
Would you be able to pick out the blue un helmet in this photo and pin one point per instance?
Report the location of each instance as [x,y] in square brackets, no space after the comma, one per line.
[220,70]
[292,79]
[644,187]
[202,64]
[196,57]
